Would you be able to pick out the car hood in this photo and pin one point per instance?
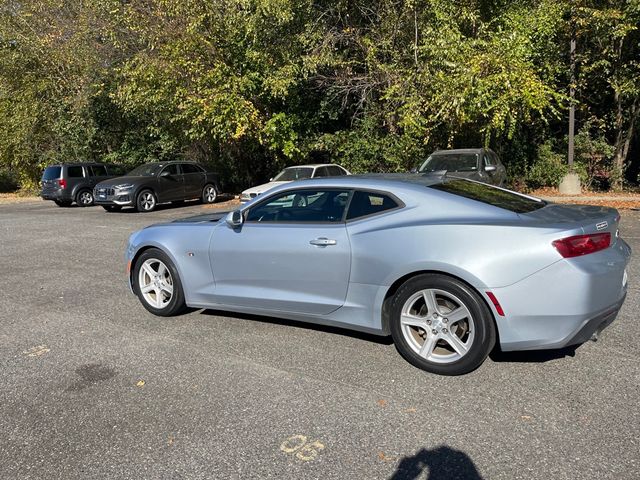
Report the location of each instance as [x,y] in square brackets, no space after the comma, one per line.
[263,188]
[112,182]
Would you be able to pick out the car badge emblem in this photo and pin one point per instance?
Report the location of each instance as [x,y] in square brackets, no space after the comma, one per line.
[602,225]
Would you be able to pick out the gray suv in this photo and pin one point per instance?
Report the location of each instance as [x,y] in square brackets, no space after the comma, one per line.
[74,182]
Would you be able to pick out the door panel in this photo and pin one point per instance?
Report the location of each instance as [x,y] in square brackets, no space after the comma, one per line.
[170,184]
[194,178]
[275,267]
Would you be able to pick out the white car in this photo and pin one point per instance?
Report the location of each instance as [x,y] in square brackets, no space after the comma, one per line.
[290,174]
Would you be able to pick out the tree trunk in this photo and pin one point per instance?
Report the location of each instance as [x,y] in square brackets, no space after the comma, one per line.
[623,138]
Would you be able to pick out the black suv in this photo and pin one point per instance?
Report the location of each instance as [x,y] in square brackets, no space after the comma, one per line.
[159,182]
[74,182]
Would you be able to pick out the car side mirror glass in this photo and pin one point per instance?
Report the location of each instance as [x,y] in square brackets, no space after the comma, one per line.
[165,173]
[234,219]
[490,168]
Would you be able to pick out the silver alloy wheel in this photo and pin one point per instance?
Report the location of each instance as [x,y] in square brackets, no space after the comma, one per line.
[85,198]
[147,201]
[155,283]
[437,325]
[210,194]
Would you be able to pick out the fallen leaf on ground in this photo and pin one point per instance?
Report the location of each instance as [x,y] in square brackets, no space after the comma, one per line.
[140,383]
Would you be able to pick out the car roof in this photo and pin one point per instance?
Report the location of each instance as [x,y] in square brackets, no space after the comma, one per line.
[313,165]
[76,164]
[370,181]
[459,150]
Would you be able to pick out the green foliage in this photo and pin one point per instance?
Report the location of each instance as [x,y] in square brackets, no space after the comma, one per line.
[8,181]
[548,168]
[250,86]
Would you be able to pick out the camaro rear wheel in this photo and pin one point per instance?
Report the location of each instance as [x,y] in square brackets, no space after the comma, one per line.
[441,325]
[209,194]
[146,201]
[157,284]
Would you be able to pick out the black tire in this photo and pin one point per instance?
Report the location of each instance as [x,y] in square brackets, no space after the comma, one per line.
[146,201]
[209,193]
[84,198]
[176,304]
[448,292]
[112,208]
[63,203]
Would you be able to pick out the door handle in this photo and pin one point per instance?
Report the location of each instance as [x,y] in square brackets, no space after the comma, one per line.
[323,242]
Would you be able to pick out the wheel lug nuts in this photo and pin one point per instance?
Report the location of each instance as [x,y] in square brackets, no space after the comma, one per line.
[444,330]
[434,331]
[428,322]
[445,320]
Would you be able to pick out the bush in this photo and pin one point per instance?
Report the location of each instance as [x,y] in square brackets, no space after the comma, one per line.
[548,168]
[8,181]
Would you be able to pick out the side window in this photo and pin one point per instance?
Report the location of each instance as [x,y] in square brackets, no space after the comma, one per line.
[98,171]
[74,172]
[494,158]
[368,203]
[190,168]
[321,172]
[171,169]
[309,205]
[335,171]
[488,159]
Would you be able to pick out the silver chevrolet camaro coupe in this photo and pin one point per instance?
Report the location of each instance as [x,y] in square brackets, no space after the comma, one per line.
[446,266]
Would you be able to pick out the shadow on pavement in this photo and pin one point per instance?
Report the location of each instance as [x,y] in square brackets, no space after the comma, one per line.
[533,356]
[308,326]
[443,463]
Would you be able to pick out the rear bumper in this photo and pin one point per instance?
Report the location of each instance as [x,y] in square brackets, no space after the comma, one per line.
[565,303]
[59,195]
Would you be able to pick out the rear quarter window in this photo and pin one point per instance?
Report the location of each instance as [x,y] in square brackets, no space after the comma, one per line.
[368,203]
[51,173]
[496,197]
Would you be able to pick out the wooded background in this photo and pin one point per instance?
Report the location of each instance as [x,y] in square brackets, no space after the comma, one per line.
[375,85]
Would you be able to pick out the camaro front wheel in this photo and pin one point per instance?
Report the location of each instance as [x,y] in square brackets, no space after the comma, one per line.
[441,325]
[157,284]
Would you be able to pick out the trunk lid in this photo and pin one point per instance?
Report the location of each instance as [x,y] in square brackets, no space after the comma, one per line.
[589,218]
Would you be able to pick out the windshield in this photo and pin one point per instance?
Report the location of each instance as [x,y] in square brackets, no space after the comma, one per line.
[294,173]
[497,197]
[51,173]
[146,170]
[451,162]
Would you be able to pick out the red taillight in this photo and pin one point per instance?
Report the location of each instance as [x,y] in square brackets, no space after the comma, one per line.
[582,244]
[496,304]
[63,183]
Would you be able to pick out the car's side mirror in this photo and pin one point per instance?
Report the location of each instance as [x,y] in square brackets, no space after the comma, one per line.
[271,179]
[234,219]
[490,168]
[414,170]
[165,173]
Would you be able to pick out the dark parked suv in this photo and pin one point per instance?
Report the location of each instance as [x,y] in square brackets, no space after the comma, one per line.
[74,182]
[159,182]
[480,164]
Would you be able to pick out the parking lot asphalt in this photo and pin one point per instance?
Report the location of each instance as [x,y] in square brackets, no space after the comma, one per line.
[94,386]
